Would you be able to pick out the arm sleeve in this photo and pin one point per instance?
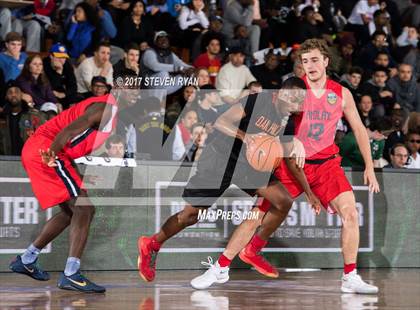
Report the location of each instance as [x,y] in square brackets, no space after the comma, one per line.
[402,39]
[150,60]
[108,26]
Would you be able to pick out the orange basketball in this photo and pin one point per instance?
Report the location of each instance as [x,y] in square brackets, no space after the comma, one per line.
[264,153]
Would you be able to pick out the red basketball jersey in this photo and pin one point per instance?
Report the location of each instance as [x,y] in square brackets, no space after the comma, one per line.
[91,138]
[318,121]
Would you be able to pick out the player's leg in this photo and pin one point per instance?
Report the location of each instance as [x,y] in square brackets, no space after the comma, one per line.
[150,246]
[345,205]
[54,226]
[281,202]
[82,215]
[27,262]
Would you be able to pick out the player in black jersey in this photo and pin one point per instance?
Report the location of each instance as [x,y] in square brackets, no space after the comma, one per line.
[223,162]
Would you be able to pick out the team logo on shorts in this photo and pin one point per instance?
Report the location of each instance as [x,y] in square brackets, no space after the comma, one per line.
[332,98]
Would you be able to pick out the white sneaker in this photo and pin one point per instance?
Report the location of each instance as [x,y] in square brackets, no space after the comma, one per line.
[215,274]
[353,283]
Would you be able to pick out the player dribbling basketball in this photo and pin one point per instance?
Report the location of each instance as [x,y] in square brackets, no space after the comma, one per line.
[223,163]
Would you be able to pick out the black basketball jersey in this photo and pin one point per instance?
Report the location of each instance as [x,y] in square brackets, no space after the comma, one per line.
[261,116]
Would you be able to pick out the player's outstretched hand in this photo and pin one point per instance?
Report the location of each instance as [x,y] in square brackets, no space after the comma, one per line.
[369,179]
[298,152]
[314,202]
[48,157]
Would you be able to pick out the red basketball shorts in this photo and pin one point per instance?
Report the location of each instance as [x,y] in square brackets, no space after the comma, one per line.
[51,185]
[327,181]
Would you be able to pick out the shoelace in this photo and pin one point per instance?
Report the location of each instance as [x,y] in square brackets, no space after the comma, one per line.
[209,262]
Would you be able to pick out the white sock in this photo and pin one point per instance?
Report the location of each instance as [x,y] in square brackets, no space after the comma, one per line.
[30,254]
[72,266]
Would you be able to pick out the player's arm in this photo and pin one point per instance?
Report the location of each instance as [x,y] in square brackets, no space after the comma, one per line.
[90,119]
[362,139]
[227,122]
[300,176]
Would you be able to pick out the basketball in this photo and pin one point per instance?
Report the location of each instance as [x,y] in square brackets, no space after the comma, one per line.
[264,152]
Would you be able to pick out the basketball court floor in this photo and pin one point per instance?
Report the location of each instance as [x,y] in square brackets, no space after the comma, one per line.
[399,289]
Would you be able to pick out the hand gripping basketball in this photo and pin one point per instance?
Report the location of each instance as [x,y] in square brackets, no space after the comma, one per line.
[264,152]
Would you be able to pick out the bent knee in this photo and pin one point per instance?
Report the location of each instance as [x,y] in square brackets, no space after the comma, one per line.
[350,216]
[283,204]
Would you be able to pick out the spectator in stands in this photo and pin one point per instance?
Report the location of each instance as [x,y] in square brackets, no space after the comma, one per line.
[405,88]
[84,31]
[241,12]
[397,135]
[115,147]
[34,82]
[241,41]
[21,120]
[382,60]
[361,15]
[182,135]
[312,26]
[409,37]
[351,153]
[210,59]
[382,95]
[297,71]
[49,109]
[234,77]
[109,31]
[413,59]
[368,53]
[268,73]
[189,95]
[399,156]
[158,11]
[151,129]
[413,145]
[192,20]
[203,77]
[352,82]
[198,142]
[5,22]
[381,21]
[99,87]
[98,64]
[60,74]
[129,66]
[25,24]
[210,105]
[12,59]
[215,32]
[136,27]
[342,55]
[160,63]
[365,110]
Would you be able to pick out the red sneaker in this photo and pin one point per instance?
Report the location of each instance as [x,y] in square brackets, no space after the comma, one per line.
[259,263]
[146,261]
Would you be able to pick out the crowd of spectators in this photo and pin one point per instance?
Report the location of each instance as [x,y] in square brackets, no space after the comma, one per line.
[57,53]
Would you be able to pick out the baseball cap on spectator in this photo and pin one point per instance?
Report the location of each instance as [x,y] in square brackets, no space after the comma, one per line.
[10,84]
[13,36]
[59,50]
[100,80]
[49,106]
[216,17]
[160,34]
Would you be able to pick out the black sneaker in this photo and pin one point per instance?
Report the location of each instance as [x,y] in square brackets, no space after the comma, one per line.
[78,282]
[32,270]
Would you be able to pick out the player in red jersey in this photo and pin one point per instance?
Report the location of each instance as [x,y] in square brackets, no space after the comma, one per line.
[47,157]
[324,105]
